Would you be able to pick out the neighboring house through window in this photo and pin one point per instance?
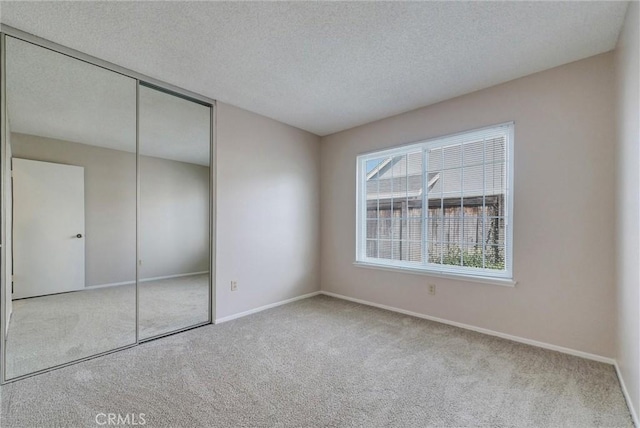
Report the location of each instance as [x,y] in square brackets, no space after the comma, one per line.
[441,206]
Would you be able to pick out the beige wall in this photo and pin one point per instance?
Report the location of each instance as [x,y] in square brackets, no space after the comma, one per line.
[563,209]
[628,192]
[174,217]
[174,210]
[267,211]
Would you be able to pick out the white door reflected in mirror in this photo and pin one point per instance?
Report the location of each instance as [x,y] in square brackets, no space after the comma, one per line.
[48,206]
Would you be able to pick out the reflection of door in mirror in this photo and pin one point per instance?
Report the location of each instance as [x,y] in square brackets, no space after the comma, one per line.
[72,143]
[174,291]
[48,208]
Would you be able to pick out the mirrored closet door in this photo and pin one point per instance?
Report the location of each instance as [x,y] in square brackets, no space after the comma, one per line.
[174,229]
[70,209]
[107,224]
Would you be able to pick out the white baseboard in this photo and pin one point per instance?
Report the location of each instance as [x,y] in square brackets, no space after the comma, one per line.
[111,284]
[627,397]
[544,345]
[265,307]
[157,278]
[180,275]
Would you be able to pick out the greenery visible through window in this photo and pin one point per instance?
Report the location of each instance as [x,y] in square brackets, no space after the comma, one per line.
[441,205]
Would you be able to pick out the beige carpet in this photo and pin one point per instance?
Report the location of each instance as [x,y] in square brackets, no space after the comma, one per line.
[51,330]
[171,304]
[329,363]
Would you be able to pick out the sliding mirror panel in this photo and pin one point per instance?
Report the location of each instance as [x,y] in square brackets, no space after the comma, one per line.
[174,222]
[70,209]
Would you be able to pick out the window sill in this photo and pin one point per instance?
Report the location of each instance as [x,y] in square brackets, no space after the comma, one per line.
[505,282]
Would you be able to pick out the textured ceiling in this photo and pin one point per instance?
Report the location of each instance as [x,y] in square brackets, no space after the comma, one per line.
[55,96]
[328,66]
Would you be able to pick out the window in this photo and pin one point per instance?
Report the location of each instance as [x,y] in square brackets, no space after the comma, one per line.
[439,206]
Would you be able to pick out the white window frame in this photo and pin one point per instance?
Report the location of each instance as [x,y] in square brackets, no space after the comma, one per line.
[473,274]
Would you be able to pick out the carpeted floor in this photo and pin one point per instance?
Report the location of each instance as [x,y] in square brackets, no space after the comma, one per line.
[51,330]
[171,304]
[324,362]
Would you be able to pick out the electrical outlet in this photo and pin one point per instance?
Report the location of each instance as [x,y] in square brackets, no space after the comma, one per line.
[234,285]
[432,289]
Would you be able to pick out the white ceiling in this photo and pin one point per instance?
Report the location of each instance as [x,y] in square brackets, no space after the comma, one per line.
[328,66]
[55,96]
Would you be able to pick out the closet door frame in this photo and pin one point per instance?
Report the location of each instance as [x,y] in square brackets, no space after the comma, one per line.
[212,168]
[5,31]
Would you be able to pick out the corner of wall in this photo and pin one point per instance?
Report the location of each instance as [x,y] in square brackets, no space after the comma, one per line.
[268,212]
[627,274]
